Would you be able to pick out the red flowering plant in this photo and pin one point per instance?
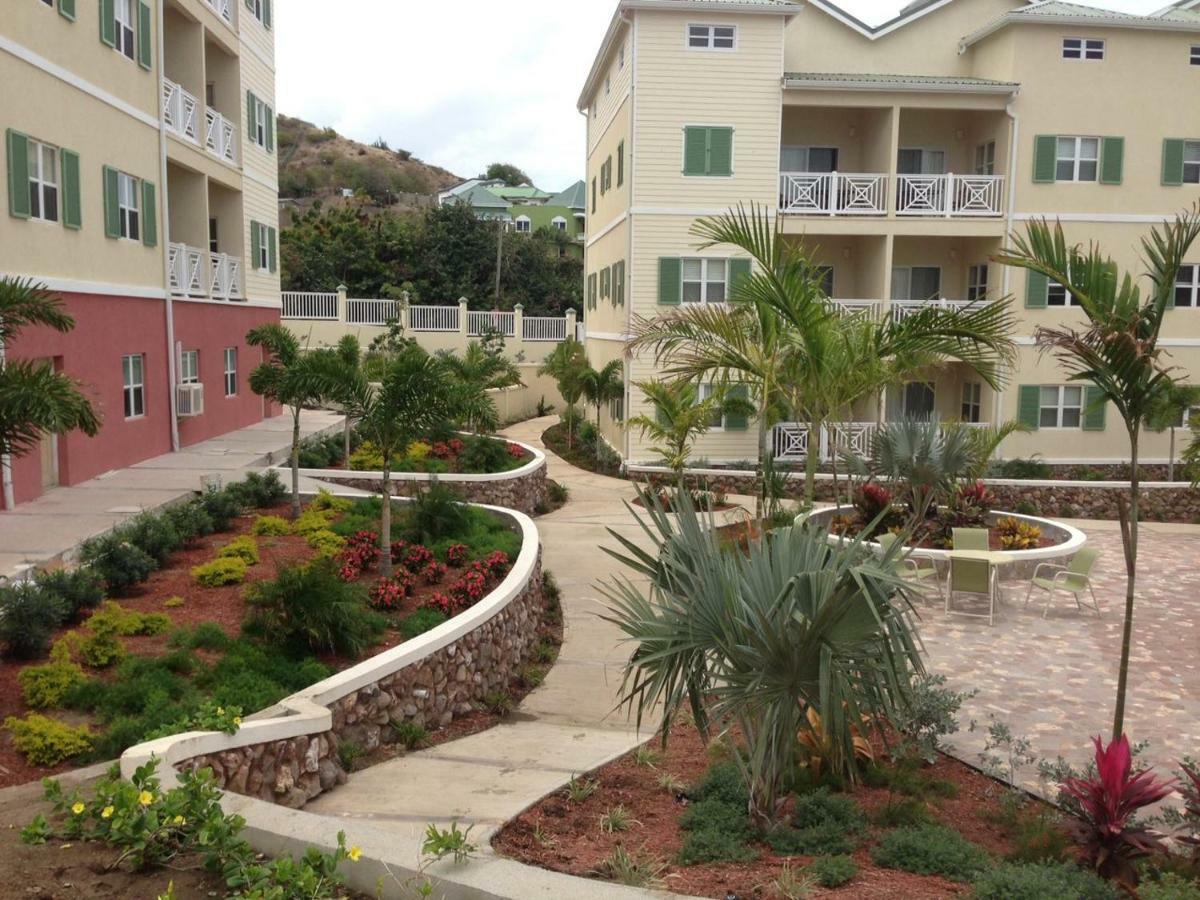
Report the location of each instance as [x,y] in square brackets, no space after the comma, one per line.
[442,602]
[389,593]
[1104,805]
[516,451]
[456,555]
[417,557]
[360,554]
[434,573]
[496,563]
[447,450]
[399,548]
[470,588]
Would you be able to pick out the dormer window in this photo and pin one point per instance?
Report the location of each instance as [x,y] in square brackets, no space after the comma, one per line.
[1082,48]
[712,37]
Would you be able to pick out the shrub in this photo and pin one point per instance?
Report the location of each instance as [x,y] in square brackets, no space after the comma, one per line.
[409,734]
[312,520]
[434,573]
[309,608]
[1025,508]
[483,454]
[1023,468]
[417,557]
[367,458]
[101,649]
[204,636]
[932,712]
[244,548]
[812,841]
[711,845]
[271,525]
[210,716]
[389,593]
[1039,881]
[872,500]
[716,815]
[904,811]
[220,572]
[832,871]
[259,490]
[327,502]
[931,850]
[154,534]
[558,493]
[822,807]
[45,686]
[1016,534]
[174,602]
[1169,886]
[360,554]
[722,782]
[436,514]
[222,506]
[28,617]
[121,564]
[79,590]
[116,618]
[47,742]
[498,703]
[326,543]
[349,753]
[190,520]
[421,621]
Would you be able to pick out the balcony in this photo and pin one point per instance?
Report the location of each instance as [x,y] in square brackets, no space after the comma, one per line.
[220,136]
[843,194]
[223,8]
[180,111]
[832,194]
[949,195]
[897,309]
[200,274]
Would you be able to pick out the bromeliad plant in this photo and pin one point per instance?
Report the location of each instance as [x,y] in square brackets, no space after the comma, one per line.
[1104,809]
[758,639]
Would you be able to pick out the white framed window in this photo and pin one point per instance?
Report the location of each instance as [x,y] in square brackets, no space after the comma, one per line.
[977,282]
[912,400]
[705,280]
[920,161]
[129,206]
[523,225]
[134,376]
[259,135]
[263,263]
[1061,406]
[972,402]
[1058,295]
[189,367]
[808,159]
[43,181]
[704,391]
[1187,286]
[262,11]
[985,158]
[1191,162]
[558,223]
[124,14]
[712,37]
[916,282]
[1078,159]
[231,382]
[1082,48]
[1194,55]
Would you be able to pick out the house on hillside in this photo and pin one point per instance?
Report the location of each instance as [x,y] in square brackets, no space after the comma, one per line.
[903,155]
[525,208]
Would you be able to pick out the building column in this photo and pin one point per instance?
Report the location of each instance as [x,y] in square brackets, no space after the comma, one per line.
[571,324]
[462,316]
[341,303]
[519,326]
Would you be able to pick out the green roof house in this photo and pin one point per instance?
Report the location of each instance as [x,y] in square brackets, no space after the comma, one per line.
[526,208]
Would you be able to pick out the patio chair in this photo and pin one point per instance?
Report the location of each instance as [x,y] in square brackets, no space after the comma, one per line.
[971,539]
[909,568]
[1074,579]
[976,577]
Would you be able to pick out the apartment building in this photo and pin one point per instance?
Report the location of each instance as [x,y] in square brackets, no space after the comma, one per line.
[141,186]
[902,155]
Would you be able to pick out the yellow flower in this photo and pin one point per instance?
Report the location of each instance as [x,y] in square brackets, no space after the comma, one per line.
[179,820]
[220,710]
[237,720]
[78,809]
[145,798]
[106,813]
[355,854]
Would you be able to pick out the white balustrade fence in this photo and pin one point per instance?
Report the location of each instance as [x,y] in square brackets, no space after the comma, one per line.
[226,272]
[307,305]
[371,312]
[220,136]
[201,274]
[844,194]
[833,193]
[179,111]
[223,9]
[433,318]
[493,322]
[543,328]
[949,195]
[790,440]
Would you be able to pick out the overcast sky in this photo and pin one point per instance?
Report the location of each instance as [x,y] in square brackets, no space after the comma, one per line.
[464,83]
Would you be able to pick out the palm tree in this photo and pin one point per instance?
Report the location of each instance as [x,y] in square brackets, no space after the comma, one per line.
[602,386]
[295,379]
[34,399]
[349,354]
[415,395]
[478,371]
[680,417]
[1117,351]
[1171,409]
[565,365]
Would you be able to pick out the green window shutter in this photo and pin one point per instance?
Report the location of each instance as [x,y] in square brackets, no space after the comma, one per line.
[251,122]
[250,5]
[670,280]
[619,293]
[1112,159]
[1172,161]
[593,195]
[267,13]
[1045,158]
[695,150]
[108,23]
[1029,405]
[620,163]
[145,51]
[591,298]
[17,149]
[272,251]
[270,114]
[112,212]
[739,269]
[66,9]
[149,214]
[255,245]
[1037,288]
[1094,407]
[720,151]
[72,203]
[738,421]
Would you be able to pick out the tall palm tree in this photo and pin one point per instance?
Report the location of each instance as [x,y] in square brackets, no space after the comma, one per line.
[349,354]
[296,379]
[680,417]
[602,386]
[478,371]
[34,399]
[415,394]
[1117,351]
[1170,410]
[565,365]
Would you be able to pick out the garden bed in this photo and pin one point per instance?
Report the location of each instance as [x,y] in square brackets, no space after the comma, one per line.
[444,453]
[581,452]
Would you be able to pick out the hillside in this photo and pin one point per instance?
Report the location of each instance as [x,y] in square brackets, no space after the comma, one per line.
[318,163]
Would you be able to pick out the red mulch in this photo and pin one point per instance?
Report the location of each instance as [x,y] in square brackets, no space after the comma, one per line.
[573,842]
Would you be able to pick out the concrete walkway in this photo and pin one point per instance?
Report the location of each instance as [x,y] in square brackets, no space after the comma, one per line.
[54,525]
[566,726]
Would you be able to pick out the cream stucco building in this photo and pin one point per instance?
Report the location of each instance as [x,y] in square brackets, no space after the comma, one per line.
[141,186]
[903,155]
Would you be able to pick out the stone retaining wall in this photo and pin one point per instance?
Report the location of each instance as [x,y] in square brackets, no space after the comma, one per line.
[526,493]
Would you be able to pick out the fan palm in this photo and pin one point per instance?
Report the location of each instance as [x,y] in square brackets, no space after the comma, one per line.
[680,417]
[415,395]
[34,399]
[296,379]
[759,639]
[1117,350]
[602,386]
[565,365]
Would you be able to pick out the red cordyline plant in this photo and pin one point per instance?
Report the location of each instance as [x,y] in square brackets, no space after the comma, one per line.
[1107,802]
[872,500]
[1191,808]
[975,495]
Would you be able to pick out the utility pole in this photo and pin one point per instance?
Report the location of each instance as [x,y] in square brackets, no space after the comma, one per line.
[499,260]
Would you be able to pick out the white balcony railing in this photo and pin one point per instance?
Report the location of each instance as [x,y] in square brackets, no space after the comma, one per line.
[544,328]
[371,312]
[949,195]
[180,111]
[223,8]
[902,309]
[433,318]
[309,305]
[198,273]
[226,272]
[481,323]
[833,194]
[220,136]
[790,441]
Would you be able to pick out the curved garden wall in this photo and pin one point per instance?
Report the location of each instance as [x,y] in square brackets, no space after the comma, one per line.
[522,489]
[287,754]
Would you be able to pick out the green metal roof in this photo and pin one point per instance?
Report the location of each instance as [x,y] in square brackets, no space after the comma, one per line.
[574,197]
[483,198]
[525,192]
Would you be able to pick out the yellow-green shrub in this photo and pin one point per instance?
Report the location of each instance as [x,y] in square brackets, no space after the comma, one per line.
[271,525]
[326,543]
[220,572]
[367,458]
[174,602]
[244,548]
[119,620]
[47,742]
[312,520]
[45,686]
[326,501]
[418,451]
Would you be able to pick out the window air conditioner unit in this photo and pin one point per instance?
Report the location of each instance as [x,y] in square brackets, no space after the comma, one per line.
[189,400]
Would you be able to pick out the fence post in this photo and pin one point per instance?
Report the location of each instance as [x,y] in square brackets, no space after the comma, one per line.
[519,325]
[570,335]
[462,316]
[341,303]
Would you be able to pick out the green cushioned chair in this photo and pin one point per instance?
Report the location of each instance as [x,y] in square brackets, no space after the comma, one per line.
[909,568]
[971,539]
[976,577]
[1073,579]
